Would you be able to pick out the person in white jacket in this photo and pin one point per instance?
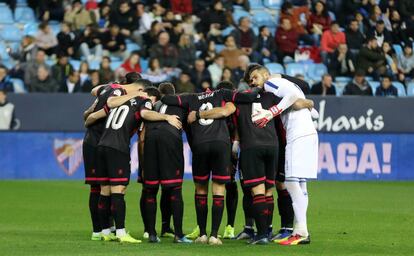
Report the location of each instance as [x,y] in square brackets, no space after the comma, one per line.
[301,143]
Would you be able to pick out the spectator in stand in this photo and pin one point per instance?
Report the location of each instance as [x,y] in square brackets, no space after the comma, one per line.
[286,40]
[209,54]
[5,82]
[151,37]
[30,68]
[216,70]
[380,33]
[330,41]
[106,75]
[406,8]
[85,77]
[186,51]
[214,21]
[231,53]
[113,42]
[51,10]
[358,86]
[90,44]
[199,74]
[371,59]
[71,83]
[155,73]
[46,40]
[144,24]
[293,15]
[238,73]
[303,85]
[318,21]
[27,50]
[245,4]
[91,5]
[125,18]
[7,115]
[165,52]
[66,40]
[392,59]
[406,61]
[176,32]
[95,79]
[362,24]
[104,16]
[131,64]
[376,15]
[354,38]
[78,17]
[43,81]
[265,47]
[386,89]
[228,75]
[188,25]
[341,62]
[184,84]
[182,6]
[398,28]
[245,37]
[324,87]
[62,68]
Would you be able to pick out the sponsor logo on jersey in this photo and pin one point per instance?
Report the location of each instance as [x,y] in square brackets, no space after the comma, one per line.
[68,153]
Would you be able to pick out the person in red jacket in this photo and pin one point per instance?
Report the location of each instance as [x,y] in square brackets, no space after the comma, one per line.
[182,6]
[131,64]
[330,41]
[286,40]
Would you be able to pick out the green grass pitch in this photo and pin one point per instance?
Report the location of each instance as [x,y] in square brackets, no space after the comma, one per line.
[345,218]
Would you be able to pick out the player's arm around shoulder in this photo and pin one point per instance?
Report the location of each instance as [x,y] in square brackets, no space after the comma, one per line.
[95,116]
[214,113]
[116,101]
[150,115]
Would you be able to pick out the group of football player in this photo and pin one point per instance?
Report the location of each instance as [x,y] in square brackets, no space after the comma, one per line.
[266,134]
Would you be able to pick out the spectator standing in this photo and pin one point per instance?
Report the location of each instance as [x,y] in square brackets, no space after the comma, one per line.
[358,86]
[324,87]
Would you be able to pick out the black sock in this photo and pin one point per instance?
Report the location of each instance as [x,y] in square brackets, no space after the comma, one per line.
[216,214]
[232,198]
[151,209]
[104,210]
[247,207]
[201,205]
[93,207]
[284,203]
[177,206]
[270,207]
[118,209]
[166,210]
[142,208]
[260,214]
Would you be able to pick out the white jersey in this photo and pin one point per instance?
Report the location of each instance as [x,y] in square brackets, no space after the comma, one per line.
[297,123]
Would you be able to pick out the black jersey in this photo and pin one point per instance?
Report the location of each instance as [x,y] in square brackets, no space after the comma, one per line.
[250,134]
[301,84]
[122,123]
[94,132]
[163,125]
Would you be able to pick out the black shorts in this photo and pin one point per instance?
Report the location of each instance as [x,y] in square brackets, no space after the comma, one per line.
[113,166]
[280,173]
[211,157]
[164,159]
[258,165]
[90,156]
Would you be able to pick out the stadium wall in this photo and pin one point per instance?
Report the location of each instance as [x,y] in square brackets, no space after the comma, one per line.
[360,139]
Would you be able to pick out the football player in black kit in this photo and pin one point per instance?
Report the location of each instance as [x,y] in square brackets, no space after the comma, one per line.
[114,158]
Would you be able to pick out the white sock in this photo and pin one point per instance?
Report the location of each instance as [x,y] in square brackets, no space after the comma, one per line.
[120,232]
[106,231]
[299,203]
[303,186]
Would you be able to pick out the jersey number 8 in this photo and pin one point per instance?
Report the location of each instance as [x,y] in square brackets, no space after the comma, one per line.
[206,106]
[117,117]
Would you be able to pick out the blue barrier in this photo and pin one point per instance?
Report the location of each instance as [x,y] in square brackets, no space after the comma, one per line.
[57,155]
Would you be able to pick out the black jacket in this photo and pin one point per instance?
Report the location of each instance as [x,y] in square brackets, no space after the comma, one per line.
[317,89]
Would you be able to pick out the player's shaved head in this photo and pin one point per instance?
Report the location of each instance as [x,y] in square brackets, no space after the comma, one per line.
[166,88]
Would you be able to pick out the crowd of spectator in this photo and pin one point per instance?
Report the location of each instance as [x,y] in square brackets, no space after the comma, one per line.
[196,44]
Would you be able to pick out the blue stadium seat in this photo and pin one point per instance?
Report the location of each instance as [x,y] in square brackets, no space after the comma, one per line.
[273,4]
[369,78]
[144,64]
[4,55]
[293,69]
[237,14]
[94,65]
[21,2]
[256,4]
[316,71]
[374,85]
[24,15]
[275,68]
[116,64]
[263,18]
[11,33]
[410,89]
[30,29]
[75,64]
[18,85]
[219,47]
[6,15]
[55,27]
[227,31]
[398,49]
[130,47]
[339,88]
[401,89]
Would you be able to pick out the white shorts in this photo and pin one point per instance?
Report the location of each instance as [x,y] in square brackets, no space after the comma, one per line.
[302,157]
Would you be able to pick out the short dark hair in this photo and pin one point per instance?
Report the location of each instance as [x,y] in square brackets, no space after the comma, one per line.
[261,28]
[360,72]
[166,88]
[252,67]
[153,91]
[380,22]
[144,82]
[132,77]
[225,85]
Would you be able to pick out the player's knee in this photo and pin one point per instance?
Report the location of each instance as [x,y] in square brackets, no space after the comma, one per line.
[218,189]
[119,189]
[201,189]
[259,189]
[105,190]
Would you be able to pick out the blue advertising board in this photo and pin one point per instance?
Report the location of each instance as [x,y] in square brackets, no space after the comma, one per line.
[58,155]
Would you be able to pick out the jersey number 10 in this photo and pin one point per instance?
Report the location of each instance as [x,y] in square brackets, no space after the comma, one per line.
[117,117]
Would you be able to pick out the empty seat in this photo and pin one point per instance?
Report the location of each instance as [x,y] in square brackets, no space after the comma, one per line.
[237,14]
[275,68]
[144,64]
[6,15]
[401,89]
[316,71]
[256,4]
[4,55]
[30,29]
[410,89]
[18,85]
[24,14]
[75,64]
[398,49]
[273,4]
[293,69]
[116,64]
[374,85]
[11,33]
[263,18]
